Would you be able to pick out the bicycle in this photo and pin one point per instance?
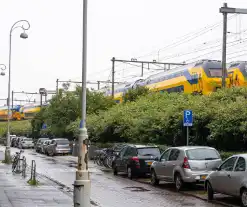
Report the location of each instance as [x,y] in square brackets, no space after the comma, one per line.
[16,160]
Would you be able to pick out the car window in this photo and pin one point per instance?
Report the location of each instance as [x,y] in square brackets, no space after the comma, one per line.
[132,151]
[148,151]
[228,164]
[202,154]
[62,141]
[241,164]
[174,154]
[52,142]
[164,156]
[123,151]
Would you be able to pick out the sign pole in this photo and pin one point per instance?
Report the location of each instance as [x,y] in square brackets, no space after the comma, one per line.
[187,136]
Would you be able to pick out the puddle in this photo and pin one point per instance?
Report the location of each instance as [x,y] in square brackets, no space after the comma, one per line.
[93,203]
[137,189]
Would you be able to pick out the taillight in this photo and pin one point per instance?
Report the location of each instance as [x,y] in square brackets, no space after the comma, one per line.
[136,160]
[186,163]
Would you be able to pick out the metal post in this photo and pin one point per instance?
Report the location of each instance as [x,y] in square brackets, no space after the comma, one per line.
[142,70]
[82,183]
[7,152]
[41,96]
[113,78]
[12,99]
[224,47]
[187,136]
[23,35]
[98,84]
[57,86]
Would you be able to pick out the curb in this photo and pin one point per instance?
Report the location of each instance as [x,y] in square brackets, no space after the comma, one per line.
[194,195]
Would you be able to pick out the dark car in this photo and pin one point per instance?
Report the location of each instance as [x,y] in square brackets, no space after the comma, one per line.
[39,144]
[135,160]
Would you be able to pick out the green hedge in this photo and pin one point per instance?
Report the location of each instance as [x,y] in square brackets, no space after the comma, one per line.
[220,120]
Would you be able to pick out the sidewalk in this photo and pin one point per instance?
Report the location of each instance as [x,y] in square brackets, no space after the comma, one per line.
[16,192]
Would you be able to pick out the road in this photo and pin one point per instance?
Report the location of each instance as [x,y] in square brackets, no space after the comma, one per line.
[108,190]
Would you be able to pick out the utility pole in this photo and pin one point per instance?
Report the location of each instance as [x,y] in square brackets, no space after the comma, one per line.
[57,86]
[113,78]
[82,184]
[12,99]
[226,10]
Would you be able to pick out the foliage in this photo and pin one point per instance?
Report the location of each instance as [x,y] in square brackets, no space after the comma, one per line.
[134,94]
[219,120]
[64,110]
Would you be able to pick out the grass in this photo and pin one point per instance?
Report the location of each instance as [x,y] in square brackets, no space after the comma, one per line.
[15,126]
[33,182]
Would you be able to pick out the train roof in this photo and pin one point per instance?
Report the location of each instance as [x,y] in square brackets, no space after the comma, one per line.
[236,63]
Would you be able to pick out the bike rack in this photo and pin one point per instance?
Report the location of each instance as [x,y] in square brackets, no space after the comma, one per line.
[24,166]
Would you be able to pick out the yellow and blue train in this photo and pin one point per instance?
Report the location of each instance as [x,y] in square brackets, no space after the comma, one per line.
[237,73]
[201,77]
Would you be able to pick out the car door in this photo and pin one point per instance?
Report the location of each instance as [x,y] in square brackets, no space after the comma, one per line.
[161,164]
[237,176]
[50,147]
[118,160]
[171,164]
[126,158]
[220,181]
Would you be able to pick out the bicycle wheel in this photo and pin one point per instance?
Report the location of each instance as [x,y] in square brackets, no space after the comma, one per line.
[105,161]
[14,165]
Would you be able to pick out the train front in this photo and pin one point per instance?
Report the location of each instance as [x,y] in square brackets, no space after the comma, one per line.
[237,74]
[212,76]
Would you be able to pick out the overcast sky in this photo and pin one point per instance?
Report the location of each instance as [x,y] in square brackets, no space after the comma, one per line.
[122,28]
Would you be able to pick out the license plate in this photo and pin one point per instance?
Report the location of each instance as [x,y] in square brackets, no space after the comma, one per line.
[203,177]
[149,163]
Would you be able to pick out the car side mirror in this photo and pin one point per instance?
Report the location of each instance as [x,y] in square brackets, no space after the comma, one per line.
[217,169]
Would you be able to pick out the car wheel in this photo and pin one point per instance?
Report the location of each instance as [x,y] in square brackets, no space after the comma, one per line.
[115,172]
[130,174]
[244,198]
[178,182]
[154,180]
[210,191]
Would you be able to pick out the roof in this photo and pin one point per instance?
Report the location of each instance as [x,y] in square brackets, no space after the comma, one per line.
[141,146]
[242,155]
[191,147]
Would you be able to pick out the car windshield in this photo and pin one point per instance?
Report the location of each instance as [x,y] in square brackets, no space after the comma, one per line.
[43,140]
[149,151]
[202,154]
[28,139]
[62,141]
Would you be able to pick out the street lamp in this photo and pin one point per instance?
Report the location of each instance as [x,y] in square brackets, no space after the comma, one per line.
[24,25]
[2,68]
[82,183]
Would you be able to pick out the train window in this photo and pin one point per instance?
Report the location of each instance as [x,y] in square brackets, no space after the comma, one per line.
[215,72]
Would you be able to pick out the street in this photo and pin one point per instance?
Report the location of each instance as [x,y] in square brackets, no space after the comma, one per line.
[106,189]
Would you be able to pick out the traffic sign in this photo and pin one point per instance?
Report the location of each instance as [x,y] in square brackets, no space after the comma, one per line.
[44,126]
[188,118]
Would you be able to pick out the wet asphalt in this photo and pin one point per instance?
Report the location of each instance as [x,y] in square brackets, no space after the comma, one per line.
[108,190]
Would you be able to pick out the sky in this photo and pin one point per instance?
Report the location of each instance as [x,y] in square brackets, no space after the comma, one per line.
[123,29]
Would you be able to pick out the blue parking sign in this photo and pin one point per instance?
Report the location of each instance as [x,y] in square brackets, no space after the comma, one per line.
[188,118]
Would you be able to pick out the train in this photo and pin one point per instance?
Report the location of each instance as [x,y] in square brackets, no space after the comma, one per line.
[20,112]
[201,77]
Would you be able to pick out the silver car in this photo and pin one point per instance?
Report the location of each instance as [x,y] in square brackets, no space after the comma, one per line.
[188,164]
[58,146]
[26,143]
[230,178]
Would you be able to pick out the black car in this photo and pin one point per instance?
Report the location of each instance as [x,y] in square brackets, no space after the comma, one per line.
[135,160]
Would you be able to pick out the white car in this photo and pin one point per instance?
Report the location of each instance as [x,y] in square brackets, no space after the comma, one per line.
[26,143]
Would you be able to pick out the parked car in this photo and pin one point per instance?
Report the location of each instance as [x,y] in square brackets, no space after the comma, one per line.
[58,146]
[26,143]
[187,164]
[44,146]
[39,144]
[229,178]
[13,141]
[17,143]
[135,160]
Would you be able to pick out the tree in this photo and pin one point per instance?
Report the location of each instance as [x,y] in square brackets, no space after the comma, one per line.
[134,94]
